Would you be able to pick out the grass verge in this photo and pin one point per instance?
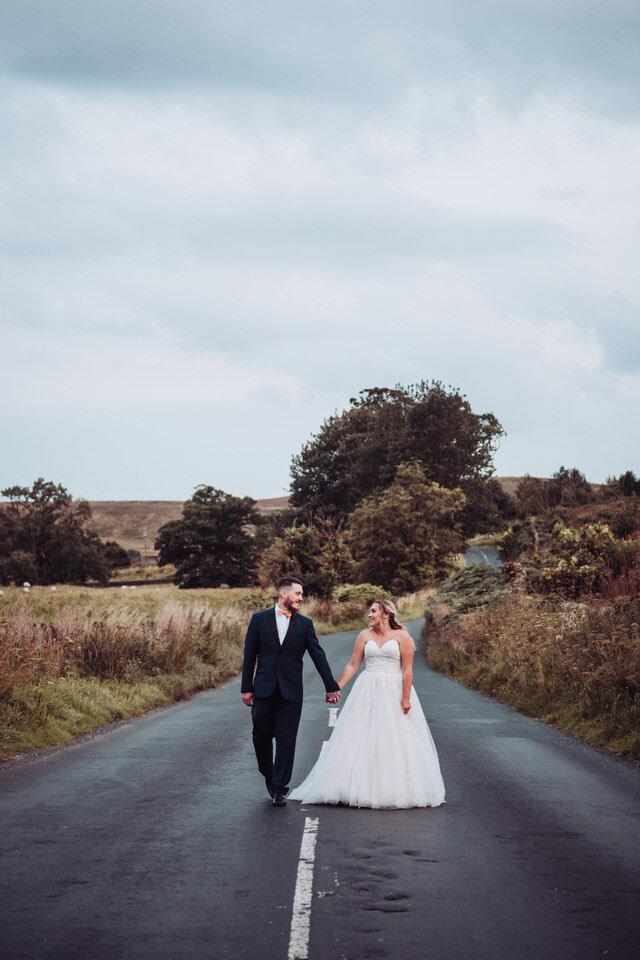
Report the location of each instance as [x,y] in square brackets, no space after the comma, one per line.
[575,665]
[54,712]
[76,658]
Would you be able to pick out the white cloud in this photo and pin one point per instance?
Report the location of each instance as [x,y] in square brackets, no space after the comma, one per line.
[449,205]
[61,370]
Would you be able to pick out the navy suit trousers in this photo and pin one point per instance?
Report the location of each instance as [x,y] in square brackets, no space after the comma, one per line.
[275,717]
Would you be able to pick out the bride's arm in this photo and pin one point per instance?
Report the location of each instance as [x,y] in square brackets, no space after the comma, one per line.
[406,656]
[354,664]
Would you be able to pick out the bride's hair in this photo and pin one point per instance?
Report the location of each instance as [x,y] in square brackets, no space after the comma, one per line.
[389,607]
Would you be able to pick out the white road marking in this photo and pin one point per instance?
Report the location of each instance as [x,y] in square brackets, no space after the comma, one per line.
[301,919]
[333,716]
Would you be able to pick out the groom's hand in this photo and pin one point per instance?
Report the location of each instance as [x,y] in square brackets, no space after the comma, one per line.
[333,697]
[248,698]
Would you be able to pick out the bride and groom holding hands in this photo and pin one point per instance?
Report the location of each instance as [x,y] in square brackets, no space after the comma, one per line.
[381,752]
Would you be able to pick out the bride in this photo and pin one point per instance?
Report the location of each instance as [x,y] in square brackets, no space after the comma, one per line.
[381,752]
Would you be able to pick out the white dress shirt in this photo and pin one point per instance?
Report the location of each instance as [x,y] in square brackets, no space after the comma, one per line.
[282,624]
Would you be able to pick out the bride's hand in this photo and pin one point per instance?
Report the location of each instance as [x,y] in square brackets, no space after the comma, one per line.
[406,704]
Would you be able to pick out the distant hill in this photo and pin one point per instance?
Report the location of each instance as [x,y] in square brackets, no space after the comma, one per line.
[126,520]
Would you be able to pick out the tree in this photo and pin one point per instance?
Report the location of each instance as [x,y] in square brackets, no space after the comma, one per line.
[624,485]
[318,554]
[213,542]
[488,507]
[43,537]
[534,495]
[115,555]
[356,453]
[570,487]
[401,537]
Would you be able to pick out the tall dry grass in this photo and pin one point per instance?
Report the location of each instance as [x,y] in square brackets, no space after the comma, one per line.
[122,643]
[574,662]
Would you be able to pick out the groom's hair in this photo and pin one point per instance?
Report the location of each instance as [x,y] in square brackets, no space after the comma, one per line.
[288,582]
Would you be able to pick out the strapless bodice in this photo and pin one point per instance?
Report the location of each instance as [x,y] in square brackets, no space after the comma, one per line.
[384,659]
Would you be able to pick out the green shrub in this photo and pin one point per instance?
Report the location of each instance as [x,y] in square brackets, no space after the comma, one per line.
[364,593]
[470,589]
[516,540]
[579,558]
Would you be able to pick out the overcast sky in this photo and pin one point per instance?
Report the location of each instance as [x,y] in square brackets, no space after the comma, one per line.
[222,220]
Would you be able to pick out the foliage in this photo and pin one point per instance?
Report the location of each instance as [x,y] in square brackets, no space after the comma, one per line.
[625,485]
[567,488]
[402,537]
[488,507]
[356,453]
[471,589]
[115,555]
[575,664]
[518,538]
[363,593]
[533,496]
[571,487]
[626,520]
[212,543]
[43,537]
[316,553]
[579,558]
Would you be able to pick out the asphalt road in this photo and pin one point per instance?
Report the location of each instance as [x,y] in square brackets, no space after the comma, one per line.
[488,555]
[155,840]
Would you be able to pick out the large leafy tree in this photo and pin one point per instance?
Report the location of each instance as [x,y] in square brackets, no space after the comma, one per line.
[43,537]
[356,453]
[401,538]
[213,543]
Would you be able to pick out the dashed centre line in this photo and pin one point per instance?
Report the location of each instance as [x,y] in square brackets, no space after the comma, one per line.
[301,919]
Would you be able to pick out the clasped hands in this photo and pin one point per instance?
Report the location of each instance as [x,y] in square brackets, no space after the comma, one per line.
[248,698]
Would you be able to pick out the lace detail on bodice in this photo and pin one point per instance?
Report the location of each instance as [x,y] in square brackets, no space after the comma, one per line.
[384,659]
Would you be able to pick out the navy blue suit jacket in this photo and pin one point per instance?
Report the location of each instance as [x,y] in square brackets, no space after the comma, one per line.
[281,663]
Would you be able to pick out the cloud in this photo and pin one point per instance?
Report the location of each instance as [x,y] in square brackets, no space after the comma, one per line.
[361,51]
[73,369]
[247,213]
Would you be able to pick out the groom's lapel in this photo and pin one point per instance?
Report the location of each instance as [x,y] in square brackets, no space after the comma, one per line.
[271,615]
[292,623]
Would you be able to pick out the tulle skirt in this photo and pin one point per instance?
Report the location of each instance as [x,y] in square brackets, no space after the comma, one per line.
[376,756]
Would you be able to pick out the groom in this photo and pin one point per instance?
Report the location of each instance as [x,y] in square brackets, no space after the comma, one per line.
[278,638]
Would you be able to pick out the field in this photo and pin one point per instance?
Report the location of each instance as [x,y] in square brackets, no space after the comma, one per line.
[75,658]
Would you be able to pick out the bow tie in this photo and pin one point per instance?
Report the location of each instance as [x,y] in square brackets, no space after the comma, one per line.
[285,613]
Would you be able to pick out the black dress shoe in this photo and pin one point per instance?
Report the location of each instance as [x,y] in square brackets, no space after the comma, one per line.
[279,800]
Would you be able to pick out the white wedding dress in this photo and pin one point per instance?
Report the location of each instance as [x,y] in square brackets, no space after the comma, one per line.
[377,756]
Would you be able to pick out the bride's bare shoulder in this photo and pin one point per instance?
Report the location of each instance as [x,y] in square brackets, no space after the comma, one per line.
[404,638]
